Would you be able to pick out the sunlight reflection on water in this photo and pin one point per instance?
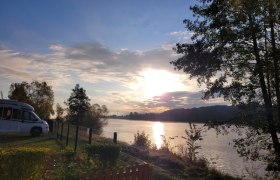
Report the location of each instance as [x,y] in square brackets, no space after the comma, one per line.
[158,132]
[215,149]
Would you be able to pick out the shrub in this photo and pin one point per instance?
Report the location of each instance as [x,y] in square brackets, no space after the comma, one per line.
[166,144]
[193,135]
[142,140]
[21,162]
[108,154]
[68,156]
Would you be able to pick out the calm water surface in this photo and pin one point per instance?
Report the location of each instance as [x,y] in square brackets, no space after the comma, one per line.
[217,150]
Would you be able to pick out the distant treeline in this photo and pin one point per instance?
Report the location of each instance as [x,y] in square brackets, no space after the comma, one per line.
[226,114]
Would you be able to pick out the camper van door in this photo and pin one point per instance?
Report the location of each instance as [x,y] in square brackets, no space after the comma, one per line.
[28,121]
[7,123]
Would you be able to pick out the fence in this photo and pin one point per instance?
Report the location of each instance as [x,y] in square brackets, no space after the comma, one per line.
[65,131]
[137,172]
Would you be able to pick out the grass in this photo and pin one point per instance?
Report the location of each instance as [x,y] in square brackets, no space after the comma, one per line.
[20,140]
[25,157]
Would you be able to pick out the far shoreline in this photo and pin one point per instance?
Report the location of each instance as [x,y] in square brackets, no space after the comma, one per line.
[150,120]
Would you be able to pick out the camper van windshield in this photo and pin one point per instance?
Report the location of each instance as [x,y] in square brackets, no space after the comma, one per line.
[28,115]
[35,115]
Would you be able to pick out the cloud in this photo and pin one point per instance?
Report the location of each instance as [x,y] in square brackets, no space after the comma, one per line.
[184,36]
[19,67]
[170,100]
[106,74]
[181,99]
[95,62]
[88,62]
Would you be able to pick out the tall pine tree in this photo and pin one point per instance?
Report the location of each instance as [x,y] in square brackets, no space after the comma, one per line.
[78,104]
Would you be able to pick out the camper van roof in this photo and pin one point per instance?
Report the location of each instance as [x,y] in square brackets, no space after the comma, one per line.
[21,105]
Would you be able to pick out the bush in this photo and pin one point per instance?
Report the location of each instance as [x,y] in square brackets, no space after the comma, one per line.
[68,156]
[108,154]
[21,162]
[166,147]
[142,140]
[193,135]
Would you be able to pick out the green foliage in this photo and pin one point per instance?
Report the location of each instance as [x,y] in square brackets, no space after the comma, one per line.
[20,92]
[51,161]
[221,55]
[70,167]
[79,107]
[23,162]
[78,103]
[193,135]
[38,158]
[38,94]
[142,140]
[68,155]
[166,144]
[107,154]
[95,118]
[235,54]
[59,112]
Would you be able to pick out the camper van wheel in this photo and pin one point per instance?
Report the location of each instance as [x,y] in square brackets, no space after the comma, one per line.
[35,132]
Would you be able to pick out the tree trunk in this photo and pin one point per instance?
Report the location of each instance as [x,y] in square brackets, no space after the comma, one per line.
[267,101]
[274,57]
[267,65]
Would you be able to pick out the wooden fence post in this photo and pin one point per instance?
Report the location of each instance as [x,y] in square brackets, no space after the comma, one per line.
[76,138]
[67,136]
[57,134]
[90,135]
[115,137]
[61,132]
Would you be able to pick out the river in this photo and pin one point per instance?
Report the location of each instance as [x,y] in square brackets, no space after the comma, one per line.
[217,149]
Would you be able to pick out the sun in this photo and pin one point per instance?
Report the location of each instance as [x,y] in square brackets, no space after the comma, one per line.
[153,83]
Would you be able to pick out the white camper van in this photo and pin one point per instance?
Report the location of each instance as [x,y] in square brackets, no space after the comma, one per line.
[19,117]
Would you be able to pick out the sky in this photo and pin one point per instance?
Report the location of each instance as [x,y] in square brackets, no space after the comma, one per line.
[119,51]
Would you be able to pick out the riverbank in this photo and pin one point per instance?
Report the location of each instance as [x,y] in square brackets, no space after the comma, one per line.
[217,149]
[48,159]
[169,166]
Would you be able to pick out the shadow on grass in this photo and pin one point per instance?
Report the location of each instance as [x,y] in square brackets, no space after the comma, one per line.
[8,140]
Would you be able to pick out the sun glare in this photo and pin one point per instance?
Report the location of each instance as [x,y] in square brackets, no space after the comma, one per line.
[157,82]
[158,131]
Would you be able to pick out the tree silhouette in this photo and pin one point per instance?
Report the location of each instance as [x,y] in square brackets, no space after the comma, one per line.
[38,94]
[59,112]
[235,53]
[78,103]
[95,118]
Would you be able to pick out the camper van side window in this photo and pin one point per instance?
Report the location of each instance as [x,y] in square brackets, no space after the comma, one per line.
[1,111]
[16,114]
[7,113]
[25,115]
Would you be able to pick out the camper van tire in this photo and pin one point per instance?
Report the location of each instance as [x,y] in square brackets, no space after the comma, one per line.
[36,131]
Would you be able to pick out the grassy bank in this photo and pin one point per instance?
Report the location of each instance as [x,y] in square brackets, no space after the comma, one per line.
[25,157]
